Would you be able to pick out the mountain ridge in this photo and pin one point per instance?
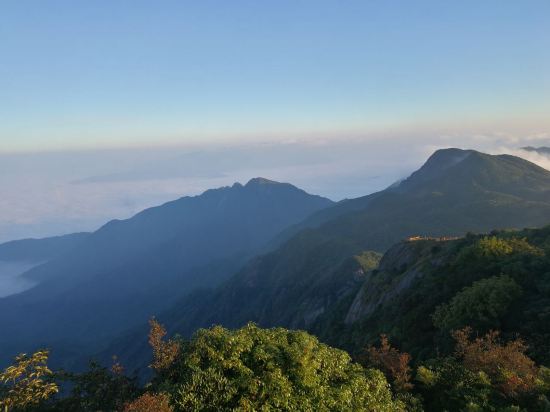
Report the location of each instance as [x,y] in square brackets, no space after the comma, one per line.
[40,250]
[131,268]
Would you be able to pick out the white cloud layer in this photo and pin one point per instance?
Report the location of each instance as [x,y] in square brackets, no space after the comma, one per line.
[45,194]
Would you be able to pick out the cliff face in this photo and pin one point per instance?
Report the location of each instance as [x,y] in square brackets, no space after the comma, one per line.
[345,281]
[400,266]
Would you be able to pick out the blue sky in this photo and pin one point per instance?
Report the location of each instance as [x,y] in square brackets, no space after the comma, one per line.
[126,73]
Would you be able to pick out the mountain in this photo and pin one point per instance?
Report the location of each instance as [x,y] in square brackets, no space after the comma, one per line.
[318,271]
[127,270]
[455,191]
[19,256]
[39,250]
[454,325]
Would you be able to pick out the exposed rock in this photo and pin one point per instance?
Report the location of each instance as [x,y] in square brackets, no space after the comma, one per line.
[398,269]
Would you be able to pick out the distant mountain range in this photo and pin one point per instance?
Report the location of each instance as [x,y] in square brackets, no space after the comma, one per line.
[19,256]
[118,276]
[316,273]
[39,250]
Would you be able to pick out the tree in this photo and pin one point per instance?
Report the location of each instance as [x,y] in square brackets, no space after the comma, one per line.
[510,370]
[484,375]
[149,402]
[271,369]
[496,247]
[164,352]
[447,385]
[97,389]
[394,364]
[26,382]
[481,305]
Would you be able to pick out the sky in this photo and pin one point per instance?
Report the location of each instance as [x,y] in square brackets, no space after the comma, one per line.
[108,107]
[115,74]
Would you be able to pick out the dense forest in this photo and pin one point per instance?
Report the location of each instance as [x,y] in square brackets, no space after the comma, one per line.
[459,325]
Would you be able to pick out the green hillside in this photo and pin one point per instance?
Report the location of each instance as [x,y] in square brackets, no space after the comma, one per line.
[454,193]
[424,289]
[314,275]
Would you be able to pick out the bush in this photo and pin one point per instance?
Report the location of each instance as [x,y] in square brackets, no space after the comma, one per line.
[150,402]
[394,364]
[447,385]
[263,369]
[510,370]
[481,305]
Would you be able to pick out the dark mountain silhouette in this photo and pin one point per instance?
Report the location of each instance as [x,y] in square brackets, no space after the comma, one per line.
[129,269]
[19,256]
[39,250]
[315,270]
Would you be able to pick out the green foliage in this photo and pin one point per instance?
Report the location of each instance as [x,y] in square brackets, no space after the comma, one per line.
[544,379]
[484,375]
[489,282]
[446,385]
[499,282]
[368,260]
[489,249]
[253,369]
[26,383]
[272,369]
[493,246]
[97,389]
[481,305]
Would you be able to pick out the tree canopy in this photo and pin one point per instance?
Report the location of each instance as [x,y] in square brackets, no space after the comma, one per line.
[271,369]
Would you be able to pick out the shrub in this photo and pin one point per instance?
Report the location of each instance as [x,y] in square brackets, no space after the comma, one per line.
[510,370]
[481,305]
[394,364]
[149,402]
[263,369]
[26,382]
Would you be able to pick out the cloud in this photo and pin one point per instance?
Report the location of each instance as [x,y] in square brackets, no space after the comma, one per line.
[53,193]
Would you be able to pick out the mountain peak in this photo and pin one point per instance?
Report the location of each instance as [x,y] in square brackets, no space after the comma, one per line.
[260,181]
[437,163]
[444,158]
[455,171]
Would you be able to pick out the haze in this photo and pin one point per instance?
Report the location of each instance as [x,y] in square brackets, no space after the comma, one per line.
[54,193]
[107,108]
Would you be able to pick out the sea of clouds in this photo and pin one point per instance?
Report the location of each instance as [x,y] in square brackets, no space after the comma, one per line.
[52,193]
